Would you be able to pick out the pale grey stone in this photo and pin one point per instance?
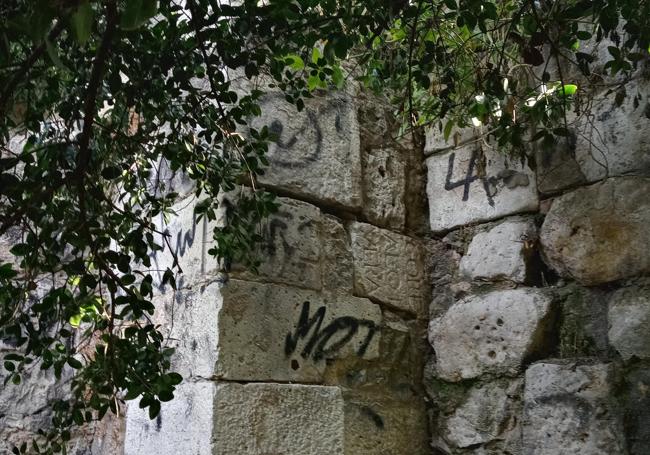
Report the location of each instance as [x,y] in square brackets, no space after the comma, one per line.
[382,425]
[600,233]
[278,333]
[388,267]
[435,138]
[568,410]
[499,254]
[337,262]
[384,187]
[484,415]
[291,251]
[629,322]
[317,154]
[463,189]
[266,419]
[184,425]
[489,333]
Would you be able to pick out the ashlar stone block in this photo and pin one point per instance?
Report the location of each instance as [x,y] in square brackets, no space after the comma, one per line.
[278,333]
[463,187]
[629,322]
[388,267]
[316,155]
[489,333]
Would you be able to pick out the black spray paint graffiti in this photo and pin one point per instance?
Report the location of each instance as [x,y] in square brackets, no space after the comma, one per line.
[308,134]
[489,183]
[320,345]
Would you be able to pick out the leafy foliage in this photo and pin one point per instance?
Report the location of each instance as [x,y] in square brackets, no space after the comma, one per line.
[106,94]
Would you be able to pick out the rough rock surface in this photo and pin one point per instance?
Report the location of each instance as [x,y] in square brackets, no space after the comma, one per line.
[629,322]
[568,410]
[499,254]
[278,333]
[490,333]
[388,267]
[384,187]
[463,188]
[600,233]
[487,411]
[317,153]
[266,419]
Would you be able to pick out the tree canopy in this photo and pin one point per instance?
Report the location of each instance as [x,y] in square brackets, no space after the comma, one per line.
[97,95]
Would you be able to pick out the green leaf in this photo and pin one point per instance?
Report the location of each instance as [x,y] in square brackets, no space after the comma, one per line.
[315,55]
[74,363]
[111,172]
[569,89]
[154,409]
[75,320]
[295,62]
[137,12]
[6,271]
[82,22]
[54,55]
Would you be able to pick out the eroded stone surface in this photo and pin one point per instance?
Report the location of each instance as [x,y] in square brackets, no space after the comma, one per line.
[388,267]
[488,411]
[600,233]
[271,332]
[184,425]
[265,419]
[491,333]
[384,187]
[435,139]
[459,194]
[568,410]
[629,322]
[317,153]
[499,253]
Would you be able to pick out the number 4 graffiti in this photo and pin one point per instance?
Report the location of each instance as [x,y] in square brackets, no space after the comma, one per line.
[470,177]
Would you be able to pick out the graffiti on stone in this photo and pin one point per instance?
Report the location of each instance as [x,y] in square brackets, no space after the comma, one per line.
[325,342]
[489,183]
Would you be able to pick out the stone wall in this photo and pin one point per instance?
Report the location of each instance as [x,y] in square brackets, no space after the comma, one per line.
[540,317]
[531,280]
[322,351]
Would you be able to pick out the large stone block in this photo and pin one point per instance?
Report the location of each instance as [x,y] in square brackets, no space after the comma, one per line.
[629,322]
[610,141]
[388,267]
[381,425]
[277,333]
[384,187]
[600,233]
[266,419]
[568,410]
[500,253]
[303,247]
[487,413]
[316,155]
[490,333]
[465,188]
[184,425]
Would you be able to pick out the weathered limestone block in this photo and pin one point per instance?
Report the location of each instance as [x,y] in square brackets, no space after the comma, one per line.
[499,254]
[184,425]
[381,425]
[490,333]
[435,138]
[388,267]
[303,247]
[189,244]
[568,410]
[487,413]
[463,188]
[600,233]
[629,322]
[277,333]
[189,320]
[609,142]
[291,250]
[384,187]
[316,155]
[265,419]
